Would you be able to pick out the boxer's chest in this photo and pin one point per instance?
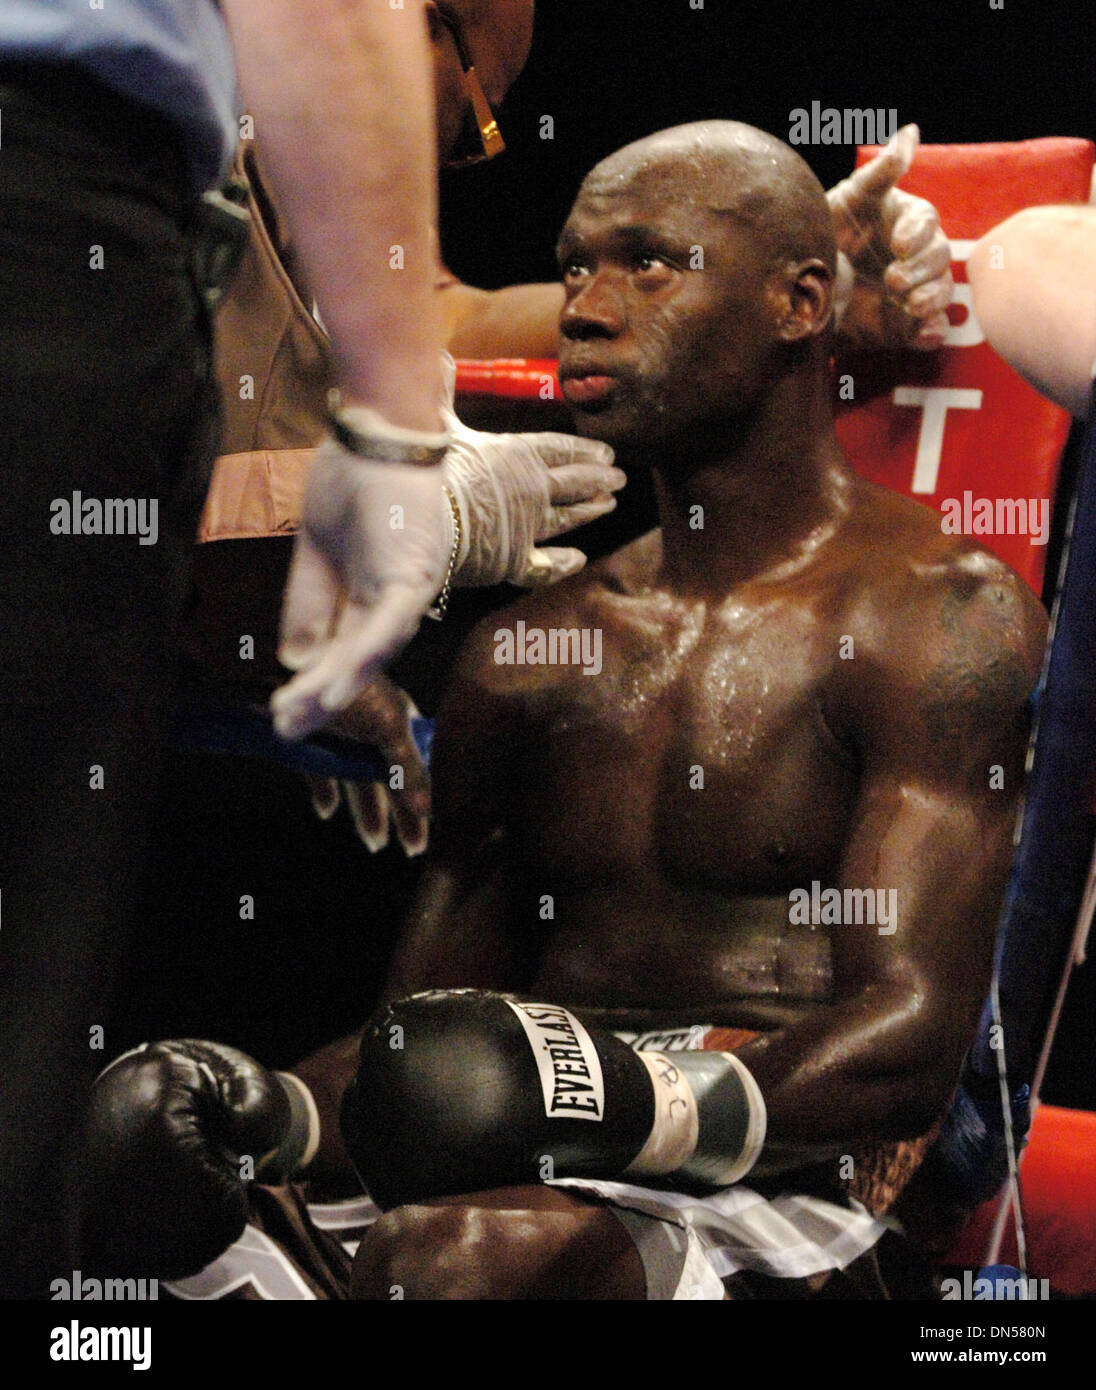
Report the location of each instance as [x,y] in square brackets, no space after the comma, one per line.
[699,754]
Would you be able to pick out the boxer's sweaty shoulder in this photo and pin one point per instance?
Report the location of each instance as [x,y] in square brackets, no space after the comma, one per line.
[943,636]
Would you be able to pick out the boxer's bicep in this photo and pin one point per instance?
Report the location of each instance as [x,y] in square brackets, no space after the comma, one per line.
[937,700]
[944,737]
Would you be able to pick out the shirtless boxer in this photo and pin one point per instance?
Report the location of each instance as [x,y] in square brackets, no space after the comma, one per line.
[842,675]
[803,685]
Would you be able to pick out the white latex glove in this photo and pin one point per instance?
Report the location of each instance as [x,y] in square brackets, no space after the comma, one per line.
[896,250]
[381,715]
[516,489]
[359,582]
[371,554]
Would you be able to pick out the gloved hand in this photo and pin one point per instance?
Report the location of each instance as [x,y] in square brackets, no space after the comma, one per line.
[381,715]
[512,490]
[898,282]
[372,552]
[482,1088]
[169,1126]
[516,489]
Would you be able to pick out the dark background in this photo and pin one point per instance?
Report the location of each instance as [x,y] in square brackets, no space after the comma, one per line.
[610,71]
[307,967]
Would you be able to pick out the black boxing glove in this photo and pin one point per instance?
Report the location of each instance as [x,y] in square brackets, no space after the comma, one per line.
[464,1090]
[164,1178]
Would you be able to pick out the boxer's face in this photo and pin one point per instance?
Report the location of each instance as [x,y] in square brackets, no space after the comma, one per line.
[668,330]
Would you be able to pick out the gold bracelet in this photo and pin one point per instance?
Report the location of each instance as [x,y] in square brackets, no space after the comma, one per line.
[441,603]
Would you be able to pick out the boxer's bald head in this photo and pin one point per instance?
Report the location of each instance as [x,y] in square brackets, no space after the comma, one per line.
[497,35]
[735,172]
[698,265]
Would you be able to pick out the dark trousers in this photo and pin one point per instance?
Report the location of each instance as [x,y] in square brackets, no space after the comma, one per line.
[105,390]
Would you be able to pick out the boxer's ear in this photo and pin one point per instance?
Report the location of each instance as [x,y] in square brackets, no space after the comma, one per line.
[805,296]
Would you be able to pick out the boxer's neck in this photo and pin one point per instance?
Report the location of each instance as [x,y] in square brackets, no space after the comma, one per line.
[768,499]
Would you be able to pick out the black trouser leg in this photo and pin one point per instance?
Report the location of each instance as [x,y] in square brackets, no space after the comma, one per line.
[104,390]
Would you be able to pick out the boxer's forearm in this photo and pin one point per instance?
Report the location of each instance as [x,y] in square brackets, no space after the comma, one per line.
[343,106]
[874,1069]
[459,933]
[326,1073]
[519,321]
